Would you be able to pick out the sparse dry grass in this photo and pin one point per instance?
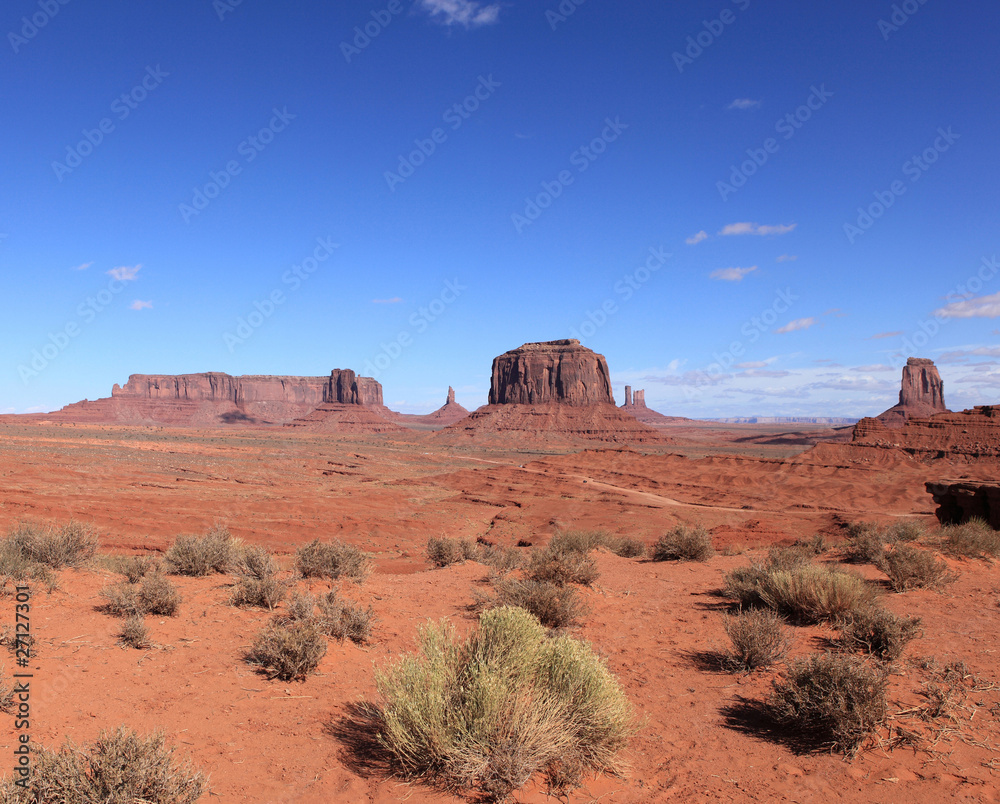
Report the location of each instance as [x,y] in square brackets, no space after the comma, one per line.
[812,594]
[972,539]
[555,606]
[288,652]
[134,633]
[213,552]
[120,767]
[878,632]
[683,543]
[561,566]
[912,568]
[155,594]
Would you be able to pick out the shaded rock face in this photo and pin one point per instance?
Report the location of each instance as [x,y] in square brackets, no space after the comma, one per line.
[970,435]
[921,394]
[554,371]
[346,388]
[219,387]
[960,502]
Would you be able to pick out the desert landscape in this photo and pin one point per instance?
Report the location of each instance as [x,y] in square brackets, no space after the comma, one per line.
[447,512]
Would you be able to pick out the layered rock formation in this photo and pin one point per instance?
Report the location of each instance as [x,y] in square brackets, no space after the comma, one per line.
[553,371]
[921,394]
[961,501]
[636,405]
[971,434]
[553,390]
[449,413]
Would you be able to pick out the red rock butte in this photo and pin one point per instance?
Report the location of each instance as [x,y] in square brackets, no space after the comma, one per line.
[636,405]
[553,389]
[921,394]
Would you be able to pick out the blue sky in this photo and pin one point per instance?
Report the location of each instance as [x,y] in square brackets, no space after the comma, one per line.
[748,207]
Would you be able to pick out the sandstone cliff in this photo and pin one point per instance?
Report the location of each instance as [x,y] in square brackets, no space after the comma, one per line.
[921,394]
[971,434]
[555,371]
[636,405]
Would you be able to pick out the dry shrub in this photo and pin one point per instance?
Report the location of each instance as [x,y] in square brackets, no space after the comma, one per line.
[626,547]
[491,711]
[332,560]
[583,541]
[683,544]
[133,633]
[562,566]
[134,568]
[833,700]
[288,652]
[815,544]
[866,543]
[300,608]
[878,632]
[254,561]
[443,552]
[213,552]
[911,568]
[154,595]
[906,530]
[555,606]
[343,620]
[66,546]
[743,584]
[265,592]
[972,539]
[758,639]
[118,768]
[787,558]
[501,560]
[813,594]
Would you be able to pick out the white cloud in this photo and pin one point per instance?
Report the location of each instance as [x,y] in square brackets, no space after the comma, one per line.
[879,335]
[141,305]
[746,228]
[732,274]
[469,13]
[765,373]
[873,368]
[755,364]
[797,324]
[695,239]
[83,267]
[393,300]
[125,273]
[744,103]
[961,355]
[981,307]
[788,258]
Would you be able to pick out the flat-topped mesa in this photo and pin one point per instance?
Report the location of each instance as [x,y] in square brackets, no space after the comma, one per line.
[345,388]
[553,371]
[216,386]
[921,394]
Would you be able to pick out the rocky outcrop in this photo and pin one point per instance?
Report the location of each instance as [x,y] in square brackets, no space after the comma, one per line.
[961,501]
[971,435]
[563,372]
[636,405]
[214,398]
[921,394]
[553,391]
[449,413]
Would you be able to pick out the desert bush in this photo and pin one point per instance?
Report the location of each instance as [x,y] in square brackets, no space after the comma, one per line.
[443,552]
[866,543]
[758,639]
[626,547]
[288,652]
[16,566]
[911,568]
[815,544]
[811,593]
[66,546]
[555,606]
[134,568]
[213,552]
[265,593]
[133,633]
[332,560]
[834,700]
[120,767]
[254,561]
[743,584]
[501,560]
[683,544]
[491,711]
[579,541]
[343,620]
[878,632]
[301,607]
[559,566]
[787,558]
[972,539]
[154,595]
[906,530]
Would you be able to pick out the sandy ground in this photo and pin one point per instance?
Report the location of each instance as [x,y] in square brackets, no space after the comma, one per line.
[659,626]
